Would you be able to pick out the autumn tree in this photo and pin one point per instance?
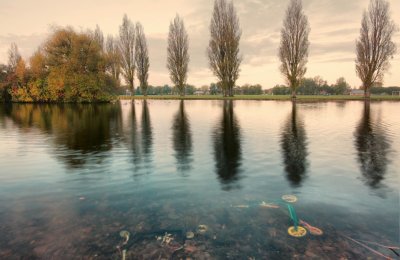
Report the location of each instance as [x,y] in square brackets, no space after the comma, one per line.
[69,66]
[178,54]
[16,73]
[375,46]
[13,56]
[293,51]
[21,71]
[113,59]
[99,37]
[37,64]
[76,67]
[127,50]
[9,77]
[223,50]
[142,58]
[4,95]
[37,86]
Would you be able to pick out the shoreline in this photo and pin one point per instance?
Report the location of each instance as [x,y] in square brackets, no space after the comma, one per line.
[300,98]
[263,97]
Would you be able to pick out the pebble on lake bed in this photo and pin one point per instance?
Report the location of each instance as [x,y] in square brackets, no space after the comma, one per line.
[289,198]
[189,235]
[268,205]
[202,229]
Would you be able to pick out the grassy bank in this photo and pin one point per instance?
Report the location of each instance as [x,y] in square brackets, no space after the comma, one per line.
[266,97]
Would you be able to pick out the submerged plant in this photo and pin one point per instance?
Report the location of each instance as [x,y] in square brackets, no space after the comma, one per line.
[125,235]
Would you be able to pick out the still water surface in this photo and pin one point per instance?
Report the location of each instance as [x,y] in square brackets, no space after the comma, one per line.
[73,176]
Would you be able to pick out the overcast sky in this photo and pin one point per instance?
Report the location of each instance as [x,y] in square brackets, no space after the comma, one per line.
[334,29]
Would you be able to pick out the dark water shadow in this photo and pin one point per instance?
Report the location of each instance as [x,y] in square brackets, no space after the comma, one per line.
[294,148]
[227,148]
[134,137]
[5,111]
[147,135]
[372,147]
[182,139]
[88,133]
[79,133]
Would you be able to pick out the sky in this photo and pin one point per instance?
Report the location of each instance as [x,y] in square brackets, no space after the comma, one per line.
[334,29]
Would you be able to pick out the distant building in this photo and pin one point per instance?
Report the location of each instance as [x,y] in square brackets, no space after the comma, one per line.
[357,92]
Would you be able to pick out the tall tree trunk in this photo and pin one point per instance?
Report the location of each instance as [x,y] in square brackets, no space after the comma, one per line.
[293,93]
[367,92]
[224,90]
[132,88]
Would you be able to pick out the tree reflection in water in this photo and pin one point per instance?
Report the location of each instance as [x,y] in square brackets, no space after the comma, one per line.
[294,148]
[372,149]
[182,139]
[227,148]
[82,133]
[139,138]
[134,136]
[147,136]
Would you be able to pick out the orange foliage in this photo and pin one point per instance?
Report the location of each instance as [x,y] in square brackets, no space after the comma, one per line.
[21,71]
[38,65]
[69,68]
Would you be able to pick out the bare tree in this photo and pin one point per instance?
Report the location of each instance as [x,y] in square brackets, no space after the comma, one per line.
[375,46]
[98,37]
[142,58]
[13,57]
[127,50]
[113,58]
[293,50]
[223,50]
[178,56]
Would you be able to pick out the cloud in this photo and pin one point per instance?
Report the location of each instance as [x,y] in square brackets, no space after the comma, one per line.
[27,44]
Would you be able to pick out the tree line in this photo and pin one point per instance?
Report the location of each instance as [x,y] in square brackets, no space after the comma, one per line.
[212,89]
[75,66]
[315,86]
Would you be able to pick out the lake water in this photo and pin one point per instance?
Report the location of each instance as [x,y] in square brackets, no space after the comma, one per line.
[73,176]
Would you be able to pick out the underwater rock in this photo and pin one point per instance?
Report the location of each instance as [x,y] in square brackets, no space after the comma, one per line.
[289,198]
[310,254]
[202,229]
[268,205]
[189,235]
